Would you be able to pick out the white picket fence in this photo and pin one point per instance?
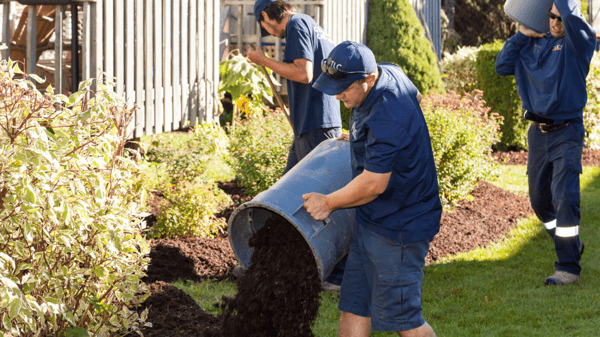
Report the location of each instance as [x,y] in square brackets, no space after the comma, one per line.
[163,54]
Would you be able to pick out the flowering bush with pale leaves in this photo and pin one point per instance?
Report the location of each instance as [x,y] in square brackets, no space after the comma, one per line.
[459,73]
[71,250]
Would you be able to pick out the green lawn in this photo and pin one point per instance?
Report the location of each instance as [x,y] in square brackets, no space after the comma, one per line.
[496,291]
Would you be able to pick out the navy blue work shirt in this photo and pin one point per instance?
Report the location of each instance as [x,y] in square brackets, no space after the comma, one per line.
[388,133]
[310,108]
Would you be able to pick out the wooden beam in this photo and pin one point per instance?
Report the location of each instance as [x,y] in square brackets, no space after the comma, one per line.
[31,53]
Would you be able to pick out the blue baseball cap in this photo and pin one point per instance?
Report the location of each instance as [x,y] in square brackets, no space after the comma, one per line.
[347,62]
[259,7]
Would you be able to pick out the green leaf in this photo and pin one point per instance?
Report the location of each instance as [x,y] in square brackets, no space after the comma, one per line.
[8,260]
[76,97]
[77,332]
[37,78]
[30,194]
[14,307]
[6,322]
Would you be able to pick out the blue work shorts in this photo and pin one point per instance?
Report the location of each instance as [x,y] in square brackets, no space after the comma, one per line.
[382,280]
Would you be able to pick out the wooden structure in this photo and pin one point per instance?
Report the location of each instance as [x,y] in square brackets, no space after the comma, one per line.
[162,55]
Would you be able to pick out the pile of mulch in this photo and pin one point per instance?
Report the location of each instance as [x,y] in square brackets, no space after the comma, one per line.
[491,214]
[173,313]
[279,293]
[589,157]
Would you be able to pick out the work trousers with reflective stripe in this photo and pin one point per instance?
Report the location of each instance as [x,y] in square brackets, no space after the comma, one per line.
[553,169]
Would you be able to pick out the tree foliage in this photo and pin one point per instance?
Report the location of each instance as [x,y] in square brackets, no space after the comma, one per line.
[395,35]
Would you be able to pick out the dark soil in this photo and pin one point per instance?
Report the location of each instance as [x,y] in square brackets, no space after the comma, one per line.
[589,157]
[279,293]
[174,313]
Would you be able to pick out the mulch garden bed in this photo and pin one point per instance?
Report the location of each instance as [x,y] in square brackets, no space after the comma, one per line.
[174,313]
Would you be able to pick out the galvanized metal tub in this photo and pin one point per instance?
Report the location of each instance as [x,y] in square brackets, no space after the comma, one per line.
[326,169]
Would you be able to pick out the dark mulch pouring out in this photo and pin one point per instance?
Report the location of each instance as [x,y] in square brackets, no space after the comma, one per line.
[279,293]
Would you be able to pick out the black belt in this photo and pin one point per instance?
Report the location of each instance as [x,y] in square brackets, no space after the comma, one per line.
[545,128]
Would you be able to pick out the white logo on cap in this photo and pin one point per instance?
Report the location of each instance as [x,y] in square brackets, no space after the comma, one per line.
[332,63]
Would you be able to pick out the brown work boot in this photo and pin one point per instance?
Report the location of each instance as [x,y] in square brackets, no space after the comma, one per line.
[561,278]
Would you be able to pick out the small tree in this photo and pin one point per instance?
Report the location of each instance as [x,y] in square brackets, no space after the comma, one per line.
[395,35]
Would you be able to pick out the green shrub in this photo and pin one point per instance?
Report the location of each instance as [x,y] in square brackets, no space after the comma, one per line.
[165,147]
[71,254]
[188,211]
[189,157]
[591,113]
[212,139]
[460,73]
[259,149]
[500,93]
[462,134]
[395,35]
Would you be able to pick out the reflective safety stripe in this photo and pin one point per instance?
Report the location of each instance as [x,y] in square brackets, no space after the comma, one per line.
[550,225]
[567,232]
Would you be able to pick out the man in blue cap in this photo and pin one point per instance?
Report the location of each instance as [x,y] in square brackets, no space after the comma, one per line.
[550,71]
[315,116]
[394,189]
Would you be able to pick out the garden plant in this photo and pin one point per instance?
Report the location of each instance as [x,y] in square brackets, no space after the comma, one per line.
[71,247]
[395,35]
[246,84]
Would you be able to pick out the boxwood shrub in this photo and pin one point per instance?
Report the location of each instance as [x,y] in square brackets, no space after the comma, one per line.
[395,35]
[500,93]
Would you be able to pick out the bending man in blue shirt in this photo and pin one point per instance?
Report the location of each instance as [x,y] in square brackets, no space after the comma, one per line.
[315,116]
[394,189]
[550,71]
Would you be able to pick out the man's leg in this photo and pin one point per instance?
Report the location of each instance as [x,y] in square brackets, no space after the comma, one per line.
[539,176]
[293,158]
[307,141]
[566,148]
[355,295]
[553,168]
[424,330]
[352,325]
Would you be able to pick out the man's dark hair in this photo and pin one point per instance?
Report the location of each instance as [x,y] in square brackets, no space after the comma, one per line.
[277,10]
